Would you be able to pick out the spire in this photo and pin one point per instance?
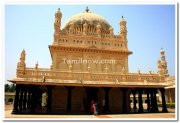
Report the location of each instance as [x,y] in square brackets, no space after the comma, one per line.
[122,19]
[139,72]
[21,64]
[150,71]
[162,64]
[162,50]
[59,11]
[87,9]
[57,24]
[123,29]
[23,55]
[36,65]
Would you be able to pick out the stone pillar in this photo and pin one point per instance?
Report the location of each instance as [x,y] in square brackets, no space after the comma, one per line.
[124,93]
[49,99]
[21,98]
[154,107]
[152,100]
[134,100]
[140,101]
[148,101]
[25,100]
[40,101]
[33,99]
[29,100]
[106,99]
[164,109]
[155,101]
[16,101]
[86,104]
[69,89]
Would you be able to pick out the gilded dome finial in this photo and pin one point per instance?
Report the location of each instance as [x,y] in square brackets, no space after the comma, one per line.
[87,9]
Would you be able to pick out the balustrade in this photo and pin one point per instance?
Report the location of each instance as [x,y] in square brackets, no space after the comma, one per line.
[34,74]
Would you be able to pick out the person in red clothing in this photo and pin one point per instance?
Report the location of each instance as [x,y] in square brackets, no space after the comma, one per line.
[92,107]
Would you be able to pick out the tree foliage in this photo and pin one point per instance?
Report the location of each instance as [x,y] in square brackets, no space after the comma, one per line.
[10,88]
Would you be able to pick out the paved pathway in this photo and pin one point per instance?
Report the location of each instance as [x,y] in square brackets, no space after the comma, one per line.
[171,114]
[143,115]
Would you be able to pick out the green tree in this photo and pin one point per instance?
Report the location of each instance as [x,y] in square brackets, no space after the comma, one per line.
[12,88]
[7,88]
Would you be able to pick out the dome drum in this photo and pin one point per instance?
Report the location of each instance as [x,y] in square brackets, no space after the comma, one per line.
[88,22]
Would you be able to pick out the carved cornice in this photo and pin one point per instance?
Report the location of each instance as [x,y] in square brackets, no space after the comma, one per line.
[80,49]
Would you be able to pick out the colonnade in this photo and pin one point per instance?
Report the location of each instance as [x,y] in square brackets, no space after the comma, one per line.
[28,98]
[151,100]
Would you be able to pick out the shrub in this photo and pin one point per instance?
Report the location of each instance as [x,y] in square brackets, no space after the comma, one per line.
[10,100]
[168,105]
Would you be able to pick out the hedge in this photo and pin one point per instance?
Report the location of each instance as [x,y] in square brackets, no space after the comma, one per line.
[168,105]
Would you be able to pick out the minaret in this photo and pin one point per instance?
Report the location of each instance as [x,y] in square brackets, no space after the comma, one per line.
[36,65]
[123,28]
[162,65]
[21,64]
[159,67]
[57,25]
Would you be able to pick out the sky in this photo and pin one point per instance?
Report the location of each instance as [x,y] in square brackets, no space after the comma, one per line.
[31,27]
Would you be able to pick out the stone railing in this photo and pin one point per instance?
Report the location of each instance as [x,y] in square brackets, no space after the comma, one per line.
[88,76]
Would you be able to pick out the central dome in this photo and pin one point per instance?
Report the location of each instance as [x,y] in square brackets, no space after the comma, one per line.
[88,18]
